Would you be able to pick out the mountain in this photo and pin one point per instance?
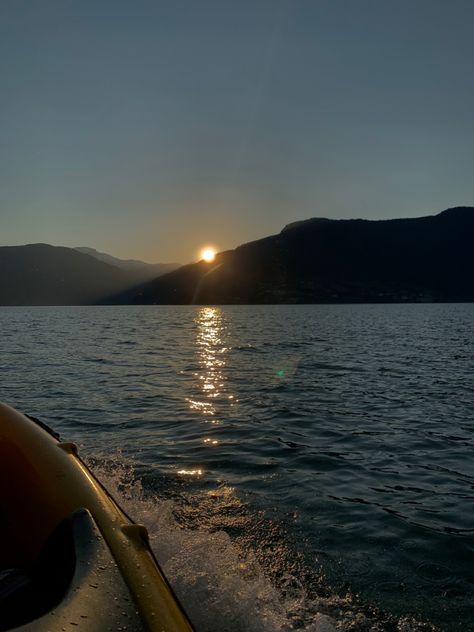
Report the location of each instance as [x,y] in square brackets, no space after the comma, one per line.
[143,271]
[333,261]
[313,261]
[39,274]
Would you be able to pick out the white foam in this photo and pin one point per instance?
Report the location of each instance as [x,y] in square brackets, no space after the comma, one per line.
[222,587]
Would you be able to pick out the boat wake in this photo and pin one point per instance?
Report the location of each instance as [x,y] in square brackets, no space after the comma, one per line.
[233,569]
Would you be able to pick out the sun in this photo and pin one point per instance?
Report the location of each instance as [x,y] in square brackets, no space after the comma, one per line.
[208,254]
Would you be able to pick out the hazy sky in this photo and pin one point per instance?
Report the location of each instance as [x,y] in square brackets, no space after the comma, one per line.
[147,128]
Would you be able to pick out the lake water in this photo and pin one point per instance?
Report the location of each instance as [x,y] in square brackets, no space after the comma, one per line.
[298,467]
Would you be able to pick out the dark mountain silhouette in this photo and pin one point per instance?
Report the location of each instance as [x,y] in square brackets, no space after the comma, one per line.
[142,271]
[39,274]
[333,261]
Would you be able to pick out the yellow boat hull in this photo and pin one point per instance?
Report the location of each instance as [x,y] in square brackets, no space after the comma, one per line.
[42,482]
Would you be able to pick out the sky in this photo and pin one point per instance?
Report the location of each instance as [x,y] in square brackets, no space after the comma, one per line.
[147,129]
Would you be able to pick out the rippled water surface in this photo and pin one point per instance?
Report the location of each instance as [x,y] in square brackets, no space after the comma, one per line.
[299,467]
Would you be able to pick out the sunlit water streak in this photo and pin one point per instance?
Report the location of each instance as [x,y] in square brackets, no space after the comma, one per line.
[284,458]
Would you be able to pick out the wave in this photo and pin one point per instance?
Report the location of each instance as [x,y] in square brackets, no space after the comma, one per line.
[233,569]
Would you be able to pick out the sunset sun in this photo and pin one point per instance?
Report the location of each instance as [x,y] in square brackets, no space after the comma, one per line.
[208,254]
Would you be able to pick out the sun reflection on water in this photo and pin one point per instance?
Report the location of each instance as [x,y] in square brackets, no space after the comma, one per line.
[211,352]
[197,472]
[211,397]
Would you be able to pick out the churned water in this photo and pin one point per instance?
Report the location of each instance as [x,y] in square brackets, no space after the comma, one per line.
[299,467]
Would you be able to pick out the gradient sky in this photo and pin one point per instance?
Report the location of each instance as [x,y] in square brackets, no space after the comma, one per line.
[147,129]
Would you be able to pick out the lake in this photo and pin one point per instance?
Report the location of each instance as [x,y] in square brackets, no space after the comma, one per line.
[299,467]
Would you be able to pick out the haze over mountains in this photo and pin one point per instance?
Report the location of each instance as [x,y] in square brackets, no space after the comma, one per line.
[313,261]
[143,270]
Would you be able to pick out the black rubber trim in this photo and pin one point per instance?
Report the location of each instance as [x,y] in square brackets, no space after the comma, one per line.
[44,426]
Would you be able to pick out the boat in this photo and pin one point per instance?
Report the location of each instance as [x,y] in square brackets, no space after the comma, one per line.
[70,557]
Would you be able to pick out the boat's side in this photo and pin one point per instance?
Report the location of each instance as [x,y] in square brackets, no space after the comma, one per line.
[42,481]
[74,584]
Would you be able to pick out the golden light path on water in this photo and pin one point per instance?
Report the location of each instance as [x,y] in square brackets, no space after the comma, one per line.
[211,353]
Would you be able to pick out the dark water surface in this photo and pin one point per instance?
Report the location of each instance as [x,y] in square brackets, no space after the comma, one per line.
[299,467]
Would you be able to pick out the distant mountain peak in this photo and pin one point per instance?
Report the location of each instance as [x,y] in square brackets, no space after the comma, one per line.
[127,264]
[455,211]
[460,211]
[304,222]
[41,274]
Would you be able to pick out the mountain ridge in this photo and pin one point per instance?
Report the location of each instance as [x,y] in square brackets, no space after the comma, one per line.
[320,260]
[41,274]
[144,268]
